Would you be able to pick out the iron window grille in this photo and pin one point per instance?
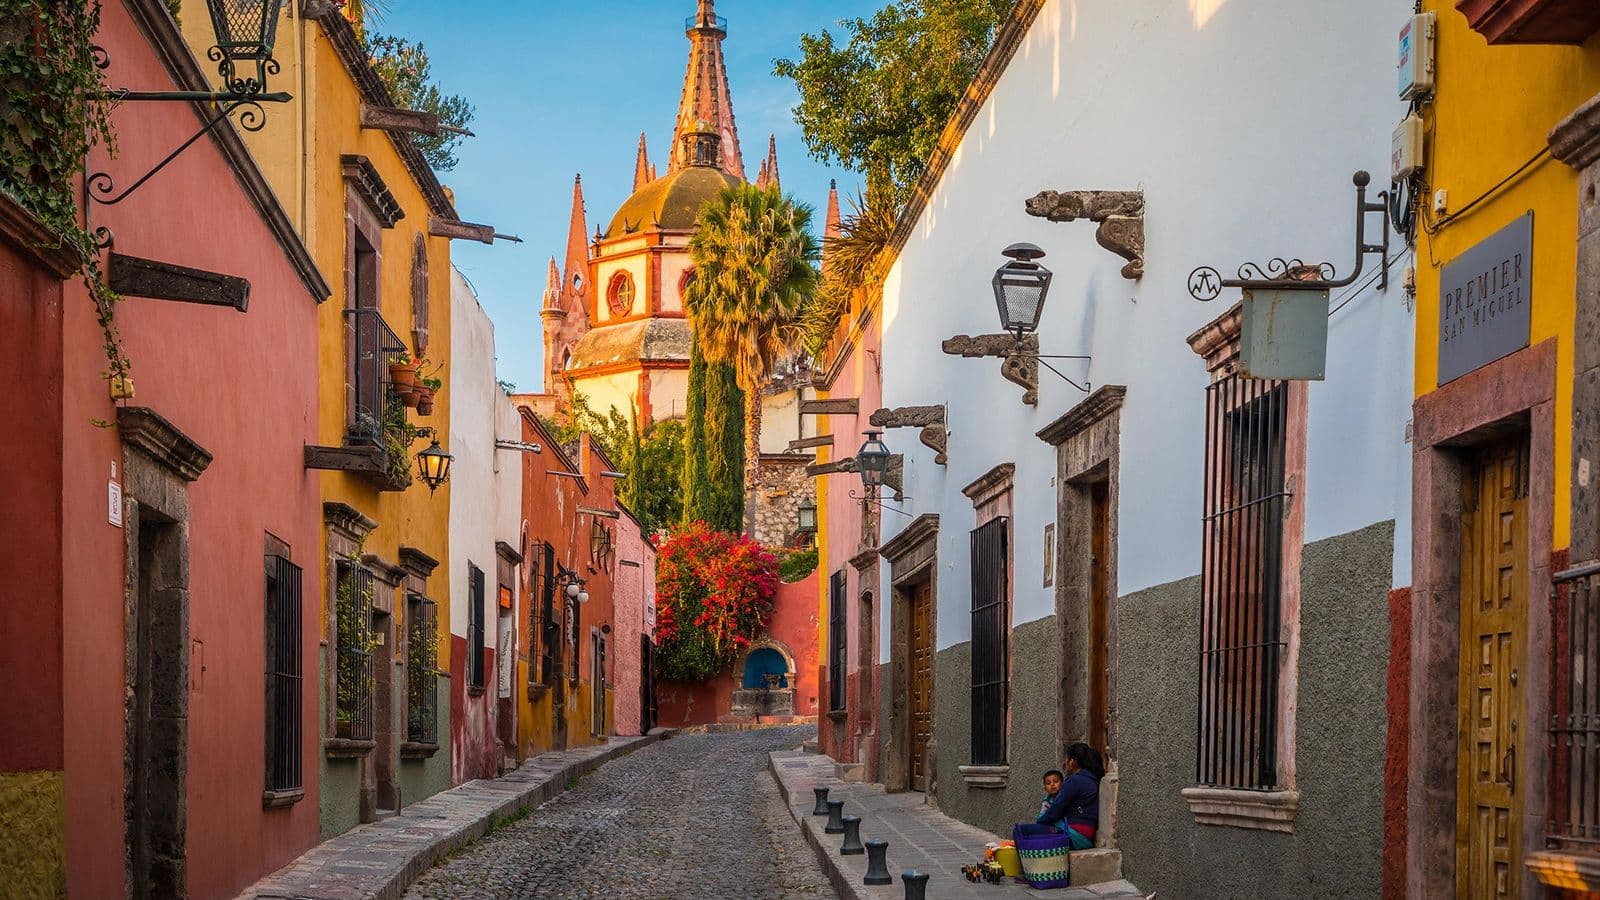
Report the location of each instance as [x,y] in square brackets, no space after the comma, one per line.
[597,694]
[991,641]
[475,597]
[373,345]
[422,670]
[836,640]
[283,674]
[1575,711]
[1241,614]
[571,648]
[353,677]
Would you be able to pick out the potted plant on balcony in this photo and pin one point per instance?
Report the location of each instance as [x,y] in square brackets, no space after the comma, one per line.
[427,388]
[402,372]
[398,436]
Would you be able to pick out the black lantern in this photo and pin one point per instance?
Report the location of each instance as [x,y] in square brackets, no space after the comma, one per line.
[433,466]
[872,460]
[1020,287]
[246,30]
[806,516]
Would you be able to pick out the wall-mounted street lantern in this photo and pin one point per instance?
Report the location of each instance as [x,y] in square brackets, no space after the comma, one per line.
[433,465]
[1020,287]
[873,462]
[575,587]
[245,31]
[806,517]
[1284,314]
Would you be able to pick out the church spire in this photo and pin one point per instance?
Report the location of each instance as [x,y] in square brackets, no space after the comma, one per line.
[641,168]
[830,228]
[769,166]
[552,286]
[705,93]
[577,262]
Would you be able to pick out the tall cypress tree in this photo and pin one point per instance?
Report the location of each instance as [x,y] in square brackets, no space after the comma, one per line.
[713,459]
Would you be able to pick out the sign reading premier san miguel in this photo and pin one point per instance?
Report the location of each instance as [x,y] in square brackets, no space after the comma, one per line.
[1484,302]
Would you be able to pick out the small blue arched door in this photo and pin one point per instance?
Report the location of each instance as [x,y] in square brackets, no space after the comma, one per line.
[765,661]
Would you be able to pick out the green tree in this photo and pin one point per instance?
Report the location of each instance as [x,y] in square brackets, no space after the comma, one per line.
[755,273]
[406,70]
[713,445]
[651,461]
[878,103]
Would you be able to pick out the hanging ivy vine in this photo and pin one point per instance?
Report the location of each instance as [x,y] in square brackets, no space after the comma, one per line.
[49,121]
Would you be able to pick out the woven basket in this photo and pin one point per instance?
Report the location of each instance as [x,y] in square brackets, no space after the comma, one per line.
[1045,860]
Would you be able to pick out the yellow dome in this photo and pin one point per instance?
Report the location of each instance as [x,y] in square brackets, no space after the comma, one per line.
[671,202]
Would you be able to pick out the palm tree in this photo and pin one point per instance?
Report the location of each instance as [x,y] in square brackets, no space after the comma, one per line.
[755,272]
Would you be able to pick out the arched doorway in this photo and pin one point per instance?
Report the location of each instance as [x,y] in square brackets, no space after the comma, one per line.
[762,662]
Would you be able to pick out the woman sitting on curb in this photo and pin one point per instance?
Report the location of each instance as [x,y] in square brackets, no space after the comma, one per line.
[1076,810]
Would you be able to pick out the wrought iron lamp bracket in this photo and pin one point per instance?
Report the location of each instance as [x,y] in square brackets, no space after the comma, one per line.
[1041,357]
[1206,283]
[872,498]
[246,94]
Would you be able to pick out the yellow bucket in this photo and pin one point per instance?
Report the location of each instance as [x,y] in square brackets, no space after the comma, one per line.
[1009,860]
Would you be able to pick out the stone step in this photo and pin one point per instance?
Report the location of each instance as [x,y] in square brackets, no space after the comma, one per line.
[1096,866]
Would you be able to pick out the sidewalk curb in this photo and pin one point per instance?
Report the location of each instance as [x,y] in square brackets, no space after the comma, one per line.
[847,884]
[382,859]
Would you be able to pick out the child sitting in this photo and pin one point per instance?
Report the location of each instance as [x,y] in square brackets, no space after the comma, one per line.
[1052,786]
[1074,808]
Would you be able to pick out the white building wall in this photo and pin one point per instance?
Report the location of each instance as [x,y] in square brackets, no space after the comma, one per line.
[1242,121]
[485,483]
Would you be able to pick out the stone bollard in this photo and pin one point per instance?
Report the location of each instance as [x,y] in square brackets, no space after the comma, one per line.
[916,884]
[852,837]
[835,821]
[877,864]
[821,809]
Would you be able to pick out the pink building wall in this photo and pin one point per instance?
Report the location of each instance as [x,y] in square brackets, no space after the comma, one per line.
[243,386]
[855,738]
[635,583]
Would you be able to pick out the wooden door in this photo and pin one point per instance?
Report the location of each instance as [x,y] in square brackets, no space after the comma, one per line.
[921,683]
[1494,592]
[1099,736]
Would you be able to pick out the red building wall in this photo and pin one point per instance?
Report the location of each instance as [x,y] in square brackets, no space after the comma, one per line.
[794,625]
[243,386]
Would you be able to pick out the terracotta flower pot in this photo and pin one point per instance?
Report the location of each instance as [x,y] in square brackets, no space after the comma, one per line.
[425,407]
[402,376]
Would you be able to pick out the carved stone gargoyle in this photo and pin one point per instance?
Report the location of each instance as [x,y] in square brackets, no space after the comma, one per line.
[1020,366]
[1120,214]
[929,418]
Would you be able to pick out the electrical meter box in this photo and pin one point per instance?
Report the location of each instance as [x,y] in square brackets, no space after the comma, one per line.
[1416,55]
[1406,157]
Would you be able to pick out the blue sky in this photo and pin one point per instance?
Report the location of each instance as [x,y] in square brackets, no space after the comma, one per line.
[566,88]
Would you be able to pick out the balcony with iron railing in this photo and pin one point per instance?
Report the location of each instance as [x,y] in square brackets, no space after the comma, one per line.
[1572,837]
[712,22]
[377,435]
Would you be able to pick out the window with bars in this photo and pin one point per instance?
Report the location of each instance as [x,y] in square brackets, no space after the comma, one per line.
[475,600]
[283,675]
[571,648]
[354,645]
[1241,642]
[422,670]
[1575,711]
[991,641]
[547,630]
[836,640]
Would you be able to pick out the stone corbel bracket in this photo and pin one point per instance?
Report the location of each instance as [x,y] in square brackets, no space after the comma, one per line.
[1119,213]
[1020,366]
[931,419]
[894,478]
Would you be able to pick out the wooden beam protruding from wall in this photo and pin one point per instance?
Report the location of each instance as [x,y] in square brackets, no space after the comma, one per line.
[391,118]
[931,419]
[833,406]
[133,276]
[821,440]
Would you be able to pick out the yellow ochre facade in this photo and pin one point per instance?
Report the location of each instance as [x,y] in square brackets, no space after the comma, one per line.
[339,180]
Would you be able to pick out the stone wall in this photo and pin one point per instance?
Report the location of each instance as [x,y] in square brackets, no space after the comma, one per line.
[784,485]
[1030,746]
[1335,850]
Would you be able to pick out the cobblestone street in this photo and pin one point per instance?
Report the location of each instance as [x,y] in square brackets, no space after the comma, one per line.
[697,816]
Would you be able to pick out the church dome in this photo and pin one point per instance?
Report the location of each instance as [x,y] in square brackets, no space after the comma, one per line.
[671,202]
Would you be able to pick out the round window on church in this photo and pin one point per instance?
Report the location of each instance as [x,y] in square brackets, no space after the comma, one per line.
[620,294]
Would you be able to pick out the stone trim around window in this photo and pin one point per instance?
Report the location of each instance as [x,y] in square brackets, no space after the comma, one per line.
[1234,808]
[989,777]
[282,799]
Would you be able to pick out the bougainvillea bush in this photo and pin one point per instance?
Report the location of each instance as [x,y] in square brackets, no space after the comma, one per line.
[714,595]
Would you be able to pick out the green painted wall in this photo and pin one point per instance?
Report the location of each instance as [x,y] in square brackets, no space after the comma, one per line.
[338,780]
[422,778]
[32,821]
[1337,845]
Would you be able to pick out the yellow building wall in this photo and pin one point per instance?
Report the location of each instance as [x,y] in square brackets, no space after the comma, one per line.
[1492,111]
[636,266]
